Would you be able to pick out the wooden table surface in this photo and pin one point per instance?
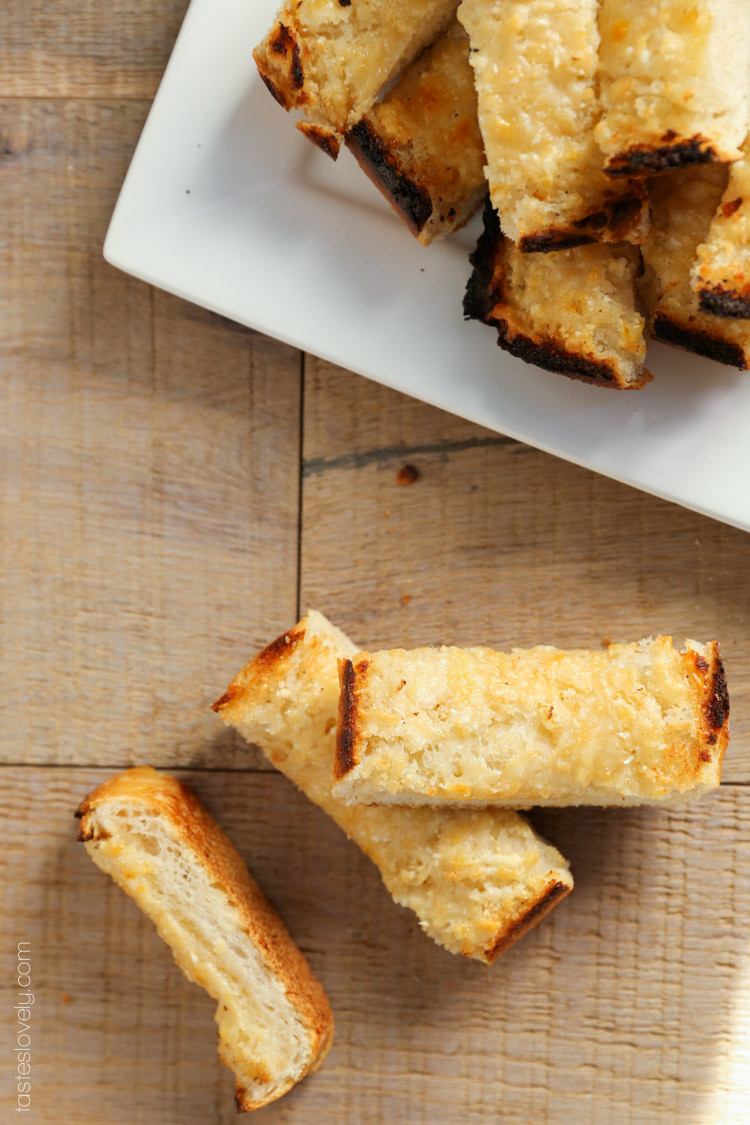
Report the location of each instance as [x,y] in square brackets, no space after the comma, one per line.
[173,490]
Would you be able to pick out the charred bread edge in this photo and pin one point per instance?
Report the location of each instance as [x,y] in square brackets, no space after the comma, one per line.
[326,140]
[273,654]
[484,292]
[716,701]
[727,303]
[408,198]
[670,330]
[346,758]
[553,892]
[619,218]
[197,828]
[656,159]
[285,79]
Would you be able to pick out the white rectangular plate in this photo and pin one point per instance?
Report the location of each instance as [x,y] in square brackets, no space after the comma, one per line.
[227,205]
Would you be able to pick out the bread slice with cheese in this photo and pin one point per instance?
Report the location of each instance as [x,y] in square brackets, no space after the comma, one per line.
[721,273]
[477,879]
[331,59]
[574,312]
[683,207]
[535,65]
[675,83]
[633,724]
[152,835]
[421,144]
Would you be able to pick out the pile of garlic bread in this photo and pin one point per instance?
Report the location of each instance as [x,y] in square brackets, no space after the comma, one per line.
[608,140]
[426,759]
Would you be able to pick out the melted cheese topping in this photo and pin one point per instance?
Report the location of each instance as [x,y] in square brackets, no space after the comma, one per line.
[677,68]
[535,64]
[538,726]
[348,53]
[582,299]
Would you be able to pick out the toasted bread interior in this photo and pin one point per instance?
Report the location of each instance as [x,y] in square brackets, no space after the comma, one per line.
[639,723]
[331,60]
[174,864]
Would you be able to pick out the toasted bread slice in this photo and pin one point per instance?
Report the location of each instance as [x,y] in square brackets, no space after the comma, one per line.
[152,835]
[331,59]
[683,207]
[675,84]
[476,879]
[721,274]
[421,144]
[535,64]
[573,312]
[633,724]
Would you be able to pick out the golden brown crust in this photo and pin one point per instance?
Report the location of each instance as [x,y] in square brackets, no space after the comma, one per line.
[266,664]
[509,936]
[346,730]
[665,153]
[165,796]
[279,62]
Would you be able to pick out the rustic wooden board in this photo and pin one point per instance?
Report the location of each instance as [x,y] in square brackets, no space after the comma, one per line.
[499,544]
[149,461]
[80,48]
[629,1004]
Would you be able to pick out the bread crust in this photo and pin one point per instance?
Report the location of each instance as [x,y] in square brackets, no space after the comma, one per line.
[198,833]
[488,299]
[549,898]
[406,749]
[421,144]
[665,153]
[331,60]
[383,165]
[682,332]
[450,901]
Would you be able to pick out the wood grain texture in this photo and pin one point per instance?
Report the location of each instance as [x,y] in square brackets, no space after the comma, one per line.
[628,1005]
[149,459]
[80,48]
[496,543]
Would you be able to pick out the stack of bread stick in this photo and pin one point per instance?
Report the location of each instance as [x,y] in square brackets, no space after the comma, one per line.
[608,138]
[424,758]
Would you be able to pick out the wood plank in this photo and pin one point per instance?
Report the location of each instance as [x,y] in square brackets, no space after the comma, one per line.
[58,48]
[499,544]
[149,457]
[628,1004]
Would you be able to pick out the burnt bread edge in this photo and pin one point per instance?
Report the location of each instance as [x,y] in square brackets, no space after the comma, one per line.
[409,199]
[727,303]
[700,342]
[345,758]
[484,291]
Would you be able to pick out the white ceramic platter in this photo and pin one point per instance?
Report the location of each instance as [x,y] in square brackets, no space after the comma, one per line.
[227,205]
